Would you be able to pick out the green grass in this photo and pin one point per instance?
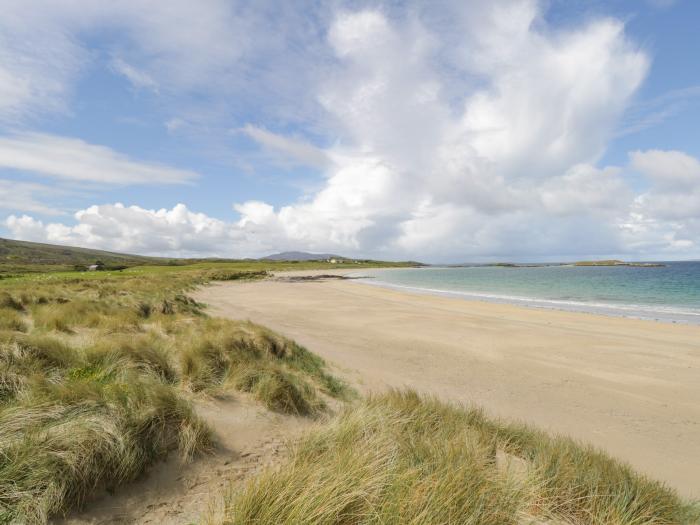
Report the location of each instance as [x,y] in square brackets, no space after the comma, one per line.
[33,256]
[10,319]
[97,375]
[404,459]
[98,371]
[21,257]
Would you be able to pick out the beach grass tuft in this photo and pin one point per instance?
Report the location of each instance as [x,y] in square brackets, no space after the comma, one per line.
[402,458]
[98,375]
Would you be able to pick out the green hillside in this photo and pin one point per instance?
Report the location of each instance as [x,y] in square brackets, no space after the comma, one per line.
[19,257]
[27,256]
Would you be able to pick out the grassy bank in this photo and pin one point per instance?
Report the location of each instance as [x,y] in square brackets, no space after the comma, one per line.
[400,458]
[97,371]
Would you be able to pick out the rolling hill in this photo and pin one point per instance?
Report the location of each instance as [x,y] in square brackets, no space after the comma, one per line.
[21,253]
[24,256]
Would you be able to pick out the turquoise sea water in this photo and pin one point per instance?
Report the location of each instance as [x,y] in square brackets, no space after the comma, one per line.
[668,293]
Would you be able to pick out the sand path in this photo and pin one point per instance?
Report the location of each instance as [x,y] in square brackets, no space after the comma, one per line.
[631,387]
[249,438]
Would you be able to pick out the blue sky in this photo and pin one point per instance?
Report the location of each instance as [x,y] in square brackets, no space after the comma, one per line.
[439,131]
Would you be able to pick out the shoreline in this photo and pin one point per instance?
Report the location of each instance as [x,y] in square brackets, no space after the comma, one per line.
[602,310]
[627,386]
[661,314]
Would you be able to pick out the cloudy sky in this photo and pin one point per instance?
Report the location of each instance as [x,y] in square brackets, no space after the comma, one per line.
[461,130]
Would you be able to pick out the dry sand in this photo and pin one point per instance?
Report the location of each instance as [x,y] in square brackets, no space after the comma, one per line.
[630,387]
[248,439]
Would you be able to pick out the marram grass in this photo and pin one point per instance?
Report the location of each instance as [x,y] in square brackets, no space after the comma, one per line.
[97,375]
[404,459]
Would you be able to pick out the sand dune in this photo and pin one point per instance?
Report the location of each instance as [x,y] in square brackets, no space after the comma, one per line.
[248,439]
[631,387]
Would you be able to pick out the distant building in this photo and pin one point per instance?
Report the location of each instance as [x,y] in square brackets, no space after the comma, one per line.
[93,267]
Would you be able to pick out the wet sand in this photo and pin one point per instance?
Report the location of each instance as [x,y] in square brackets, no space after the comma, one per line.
[630,387]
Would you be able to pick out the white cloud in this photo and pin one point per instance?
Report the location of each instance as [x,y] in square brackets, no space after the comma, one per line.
[42,53]
[585,189]
[38,63]
[23,196]
[473,129]
[231,50]
[663,220]
[138,79]
[585,211]
[74,159]
[670,207]
[177,231]
[647,113]
[292,149]
[417,167]
[673,170]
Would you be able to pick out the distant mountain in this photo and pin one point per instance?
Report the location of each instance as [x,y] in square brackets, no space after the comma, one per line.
[301,256]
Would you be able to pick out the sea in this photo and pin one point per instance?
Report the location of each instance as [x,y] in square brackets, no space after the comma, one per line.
[669,293]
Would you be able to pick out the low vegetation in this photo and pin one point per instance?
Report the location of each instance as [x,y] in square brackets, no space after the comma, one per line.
[400,458]
[98,371]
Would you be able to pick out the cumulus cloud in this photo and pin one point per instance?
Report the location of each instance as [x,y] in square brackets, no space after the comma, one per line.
[475,129]
[584,211]
[75,159]
[665,218]
[417,167]
[177,231]
[672,170]
[584,189]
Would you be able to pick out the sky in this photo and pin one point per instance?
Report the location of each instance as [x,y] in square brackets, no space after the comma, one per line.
[439,131]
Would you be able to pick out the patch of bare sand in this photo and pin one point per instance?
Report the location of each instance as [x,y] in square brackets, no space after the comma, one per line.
[630,387]
[249,438]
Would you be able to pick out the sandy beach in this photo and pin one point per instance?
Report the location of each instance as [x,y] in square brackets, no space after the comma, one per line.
[630,387]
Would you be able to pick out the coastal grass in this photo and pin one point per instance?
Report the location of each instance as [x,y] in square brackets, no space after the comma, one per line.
[400,458]
[98,372]
[97,376]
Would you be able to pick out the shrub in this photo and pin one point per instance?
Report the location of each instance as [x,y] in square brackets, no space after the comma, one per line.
[144,309]
[227,275]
